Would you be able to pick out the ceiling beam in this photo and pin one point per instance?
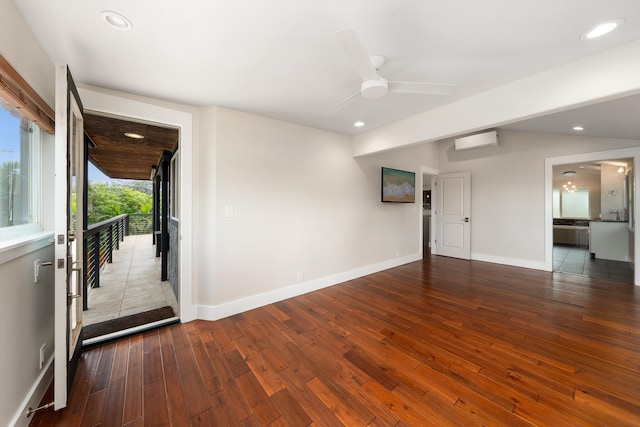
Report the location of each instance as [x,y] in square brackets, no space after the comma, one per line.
[604,76]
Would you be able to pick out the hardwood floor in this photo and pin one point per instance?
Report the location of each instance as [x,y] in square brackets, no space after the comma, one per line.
[437,342]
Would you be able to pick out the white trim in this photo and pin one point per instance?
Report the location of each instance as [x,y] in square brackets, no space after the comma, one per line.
[424,170]
[550,162]
[103,101]
[215,312]
[514,262]
[34,396]
[12,249]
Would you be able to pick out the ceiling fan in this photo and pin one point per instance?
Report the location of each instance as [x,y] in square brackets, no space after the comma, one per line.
[373,84]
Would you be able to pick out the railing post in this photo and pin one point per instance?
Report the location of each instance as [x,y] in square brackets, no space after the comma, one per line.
[95,260]
[116,230]
[127,225]
[110,244]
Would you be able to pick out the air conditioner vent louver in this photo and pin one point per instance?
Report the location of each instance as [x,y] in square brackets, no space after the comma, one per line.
[486,139]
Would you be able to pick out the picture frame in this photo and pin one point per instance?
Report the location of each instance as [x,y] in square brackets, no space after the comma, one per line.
[397,186]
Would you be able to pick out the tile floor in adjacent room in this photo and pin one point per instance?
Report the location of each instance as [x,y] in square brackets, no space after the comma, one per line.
[577,260]
[130,284]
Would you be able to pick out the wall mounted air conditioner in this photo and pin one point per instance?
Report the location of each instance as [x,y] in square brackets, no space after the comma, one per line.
[486,139]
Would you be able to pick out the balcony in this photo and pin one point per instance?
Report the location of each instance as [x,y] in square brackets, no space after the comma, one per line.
[123,271]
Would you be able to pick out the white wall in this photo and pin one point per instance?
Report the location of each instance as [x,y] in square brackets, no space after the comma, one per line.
[26,322]
[507,191]
[26,309]
[301,203]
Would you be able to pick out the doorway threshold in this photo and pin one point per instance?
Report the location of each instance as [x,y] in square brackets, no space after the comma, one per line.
[130,331]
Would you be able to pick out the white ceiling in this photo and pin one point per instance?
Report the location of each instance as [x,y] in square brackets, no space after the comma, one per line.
[619,118]
[279,58]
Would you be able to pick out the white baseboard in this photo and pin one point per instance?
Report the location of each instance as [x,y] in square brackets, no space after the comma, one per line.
[514,262]
[215,312]
[35,395]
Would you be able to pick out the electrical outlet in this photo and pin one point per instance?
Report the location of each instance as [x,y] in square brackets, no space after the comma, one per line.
[228,211]
[42,354]
[300,276]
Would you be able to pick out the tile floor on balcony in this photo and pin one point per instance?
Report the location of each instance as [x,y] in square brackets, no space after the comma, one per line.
[130,284]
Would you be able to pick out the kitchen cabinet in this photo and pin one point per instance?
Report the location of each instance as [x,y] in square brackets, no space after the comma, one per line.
[609,240]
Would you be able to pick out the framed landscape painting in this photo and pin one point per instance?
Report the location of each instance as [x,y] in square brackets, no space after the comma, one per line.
[398,186]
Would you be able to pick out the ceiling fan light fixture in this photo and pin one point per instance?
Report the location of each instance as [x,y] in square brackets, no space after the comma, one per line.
[133,135]
[569,173]
[372,89]
[116,20]
[602,29]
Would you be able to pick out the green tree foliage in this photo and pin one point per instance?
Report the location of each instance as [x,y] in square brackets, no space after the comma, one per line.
[107,201]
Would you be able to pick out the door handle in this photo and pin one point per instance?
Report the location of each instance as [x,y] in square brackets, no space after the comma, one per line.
[466,219]
[71,296]
[46,264]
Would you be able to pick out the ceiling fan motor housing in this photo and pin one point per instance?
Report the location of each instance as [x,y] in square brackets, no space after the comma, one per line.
[377,88]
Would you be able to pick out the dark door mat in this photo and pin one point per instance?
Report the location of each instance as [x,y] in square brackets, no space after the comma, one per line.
[126,322]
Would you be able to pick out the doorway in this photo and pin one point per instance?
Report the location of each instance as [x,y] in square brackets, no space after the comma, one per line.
[127,237]
[590,204]
[147,110]
[590,219]
[427,218]
[426,213]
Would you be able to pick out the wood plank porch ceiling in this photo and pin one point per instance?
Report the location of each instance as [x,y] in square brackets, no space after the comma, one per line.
[119,156]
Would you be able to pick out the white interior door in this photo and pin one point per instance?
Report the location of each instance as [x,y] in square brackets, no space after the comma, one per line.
[69,227]
[453,208]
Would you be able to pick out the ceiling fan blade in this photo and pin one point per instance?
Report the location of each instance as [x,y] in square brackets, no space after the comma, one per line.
[358,55]
[422,88]
[342,103]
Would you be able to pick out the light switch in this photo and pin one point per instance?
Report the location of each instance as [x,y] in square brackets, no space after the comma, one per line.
[228,211]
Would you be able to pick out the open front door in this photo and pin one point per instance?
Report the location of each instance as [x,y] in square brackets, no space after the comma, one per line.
[453,235]
[69,227]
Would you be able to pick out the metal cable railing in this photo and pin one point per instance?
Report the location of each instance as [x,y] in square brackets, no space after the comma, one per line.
[101,239]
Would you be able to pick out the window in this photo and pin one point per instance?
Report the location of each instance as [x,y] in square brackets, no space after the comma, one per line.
[571,204]
[19,174]
[556,203]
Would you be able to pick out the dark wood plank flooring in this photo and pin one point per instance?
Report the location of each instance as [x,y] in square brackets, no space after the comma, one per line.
[437,342]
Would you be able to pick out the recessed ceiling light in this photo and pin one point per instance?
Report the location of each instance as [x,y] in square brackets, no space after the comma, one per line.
[602,29]
[133,135]
[358,124]
[115,20]
[578,128]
